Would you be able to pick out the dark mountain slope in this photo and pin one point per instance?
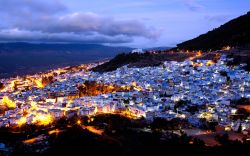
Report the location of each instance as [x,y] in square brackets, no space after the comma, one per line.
[234,33]
[141,60]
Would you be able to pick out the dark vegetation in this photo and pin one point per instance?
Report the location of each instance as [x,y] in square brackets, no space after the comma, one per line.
[1,85]
[239,59]
[234,33]
[163,124]
[27,58]
[242,105]
[122,136]
[181,103]
[241,101]
[92,88]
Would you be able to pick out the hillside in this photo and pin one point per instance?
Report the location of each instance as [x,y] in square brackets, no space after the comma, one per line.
[233,33]
[141,60]
[27,58]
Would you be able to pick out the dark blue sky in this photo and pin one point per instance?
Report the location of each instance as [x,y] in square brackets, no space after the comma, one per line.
[141,23]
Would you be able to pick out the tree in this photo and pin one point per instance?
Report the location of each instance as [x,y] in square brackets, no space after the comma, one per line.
[47,80]
[240,128]
[181,103]
[1,85]
[223,73]
[223,139]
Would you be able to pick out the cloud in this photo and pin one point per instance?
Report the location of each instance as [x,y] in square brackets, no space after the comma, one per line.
[16,35]
[90,23]
[193,5]
[51,21]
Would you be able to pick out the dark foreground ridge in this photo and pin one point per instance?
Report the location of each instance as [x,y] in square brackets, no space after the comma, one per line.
[112,135]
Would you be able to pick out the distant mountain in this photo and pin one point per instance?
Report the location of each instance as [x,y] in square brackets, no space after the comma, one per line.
[24,58]
[234,33]
[93,49]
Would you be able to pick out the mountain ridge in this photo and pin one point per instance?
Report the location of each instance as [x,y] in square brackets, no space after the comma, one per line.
[233,33]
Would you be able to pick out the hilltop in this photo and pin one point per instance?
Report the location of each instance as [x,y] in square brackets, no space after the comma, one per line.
[141,60]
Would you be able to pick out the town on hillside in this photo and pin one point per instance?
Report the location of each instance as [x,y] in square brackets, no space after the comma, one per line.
[210,96]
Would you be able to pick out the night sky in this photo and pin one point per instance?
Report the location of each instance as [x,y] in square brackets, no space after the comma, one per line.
[141,23]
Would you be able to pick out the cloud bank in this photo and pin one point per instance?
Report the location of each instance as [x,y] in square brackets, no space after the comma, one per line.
[51,21]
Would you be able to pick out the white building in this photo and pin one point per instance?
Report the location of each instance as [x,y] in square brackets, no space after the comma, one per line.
[138,51]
